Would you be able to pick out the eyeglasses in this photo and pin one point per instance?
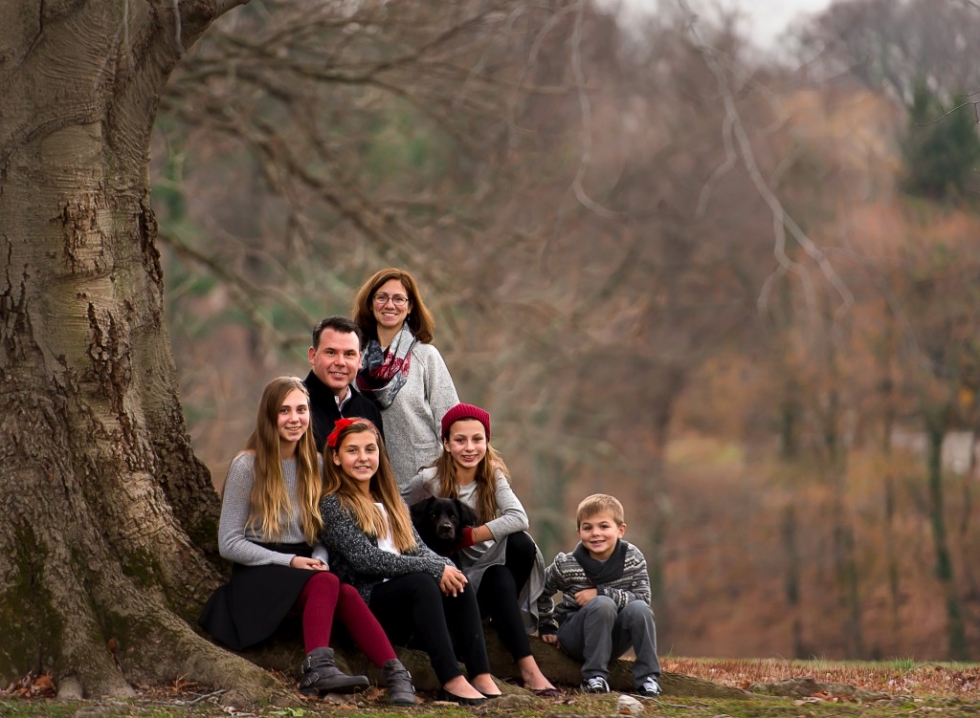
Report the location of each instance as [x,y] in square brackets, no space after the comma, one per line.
[398,300]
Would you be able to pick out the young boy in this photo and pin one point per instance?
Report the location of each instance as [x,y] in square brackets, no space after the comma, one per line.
[605,606]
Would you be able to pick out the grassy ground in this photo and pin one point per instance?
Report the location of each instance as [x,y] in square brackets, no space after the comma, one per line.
[904,677]
[819,688]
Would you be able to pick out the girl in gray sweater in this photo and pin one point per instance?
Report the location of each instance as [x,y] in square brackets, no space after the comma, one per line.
[269,518]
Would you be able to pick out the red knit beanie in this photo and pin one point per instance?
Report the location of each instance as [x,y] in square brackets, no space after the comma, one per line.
[465,411]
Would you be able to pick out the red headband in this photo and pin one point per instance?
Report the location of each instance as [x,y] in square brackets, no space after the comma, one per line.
[342,424]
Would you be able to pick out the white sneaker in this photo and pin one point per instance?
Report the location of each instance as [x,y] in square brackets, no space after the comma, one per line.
[649,688]
[595,684]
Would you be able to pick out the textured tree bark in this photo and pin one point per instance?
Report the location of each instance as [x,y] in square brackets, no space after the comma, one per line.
[105,507]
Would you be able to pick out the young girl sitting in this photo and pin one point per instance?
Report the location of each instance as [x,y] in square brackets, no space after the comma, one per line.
[498,557]
[269,518]
[417,595]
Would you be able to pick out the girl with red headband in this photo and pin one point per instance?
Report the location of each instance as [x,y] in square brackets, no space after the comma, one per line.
[270,516]
[419,597]
[498,557]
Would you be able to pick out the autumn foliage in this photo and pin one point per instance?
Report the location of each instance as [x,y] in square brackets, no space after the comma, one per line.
[759,381]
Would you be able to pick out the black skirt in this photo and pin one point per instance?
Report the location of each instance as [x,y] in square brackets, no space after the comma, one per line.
[249,608]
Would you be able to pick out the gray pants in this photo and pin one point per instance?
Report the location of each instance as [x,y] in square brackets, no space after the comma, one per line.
[598,632]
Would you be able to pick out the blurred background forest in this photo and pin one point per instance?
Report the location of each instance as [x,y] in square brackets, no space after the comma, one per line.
[738,291]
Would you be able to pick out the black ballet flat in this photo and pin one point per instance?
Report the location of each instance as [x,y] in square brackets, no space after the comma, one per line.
[445,695]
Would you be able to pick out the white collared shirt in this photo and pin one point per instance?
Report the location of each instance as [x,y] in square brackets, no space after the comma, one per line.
[341,402]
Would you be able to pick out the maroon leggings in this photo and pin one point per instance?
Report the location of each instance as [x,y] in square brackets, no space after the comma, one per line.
[323,595]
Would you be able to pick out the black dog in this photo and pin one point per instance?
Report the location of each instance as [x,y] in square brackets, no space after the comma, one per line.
[440,522]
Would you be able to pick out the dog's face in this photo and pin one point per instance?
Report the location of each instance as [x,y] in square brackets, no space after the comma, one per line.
[440,521]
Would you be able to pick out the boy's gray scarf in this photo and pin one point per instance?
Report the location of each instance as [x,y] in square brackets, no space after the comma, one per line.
[602,572]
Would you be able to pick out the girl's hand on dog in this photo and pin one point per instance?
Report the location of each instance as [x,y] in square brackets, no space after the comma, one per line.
[453,581]
[550,638]
[310,564]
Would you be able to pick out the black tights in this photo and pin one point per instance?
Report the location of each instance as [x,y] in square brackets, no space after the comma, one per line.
[414,612]
[499,590]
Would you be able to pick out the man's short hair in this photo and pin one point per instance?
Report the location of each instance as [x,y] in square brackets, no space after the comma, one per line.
[338,324]
[600,504]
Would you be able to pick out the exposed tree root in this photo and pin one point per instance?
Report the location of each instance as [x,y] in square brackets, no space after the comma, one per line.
[72,611]
[808,686]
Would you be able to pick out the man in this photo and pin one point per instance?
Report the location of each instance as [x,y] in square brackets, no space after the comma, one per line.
[335,358]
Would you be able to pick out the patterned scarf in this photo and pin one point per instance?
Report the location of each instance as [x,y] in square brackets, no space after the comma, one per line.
[383,373]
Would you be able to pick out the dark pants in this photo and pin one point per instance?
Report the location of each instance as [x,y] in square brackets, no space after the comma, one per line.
[500,587]
[599,632]
[414,612]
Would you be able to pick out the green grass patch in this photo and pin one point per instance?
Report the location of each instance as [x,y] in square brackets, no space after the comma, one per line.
[572,705]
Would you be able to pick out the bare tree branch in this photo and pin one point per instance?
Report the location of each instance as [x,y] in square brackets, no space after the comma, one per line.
[585,107]
[781,220]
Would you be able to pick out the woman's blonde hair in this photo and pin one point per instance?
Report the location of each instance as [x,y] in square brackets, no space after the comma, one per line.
[270,501]
[486,481]
[383,487]
[419,320]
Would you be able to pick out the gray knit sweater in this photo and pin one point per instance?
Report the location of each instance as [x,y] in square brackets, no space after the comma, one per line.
[413,422]
[511,519]
[356,558]
[236,540]
[566,574]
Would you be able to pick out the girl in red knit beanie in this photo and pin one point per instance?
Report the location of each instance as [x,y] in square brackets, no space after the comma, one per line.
[499,558]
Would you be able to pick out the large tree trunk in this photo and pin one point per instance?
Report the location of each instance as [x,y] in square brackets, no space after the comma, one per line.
[105,507]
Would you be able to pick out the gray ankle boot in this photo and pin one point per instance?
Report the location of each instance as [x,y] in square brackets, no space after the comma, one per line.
[321,675]
[398,680]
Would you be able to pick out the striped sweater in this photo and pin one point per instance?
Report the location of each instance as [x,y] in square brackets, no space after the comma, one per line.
[567,575]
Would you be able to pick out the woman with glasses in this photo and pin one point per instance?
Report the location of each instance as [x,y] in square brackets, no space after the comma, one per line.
[401,370]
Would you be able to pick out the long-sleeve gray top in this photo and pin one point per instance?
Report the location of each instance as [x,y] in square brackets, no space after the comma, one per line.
[512,517]
[356,558]
[236,540]
[413,422]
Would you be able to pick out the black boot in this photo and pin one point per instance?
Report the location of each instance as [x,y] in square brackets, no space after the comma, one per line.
[398,680]
[321,675]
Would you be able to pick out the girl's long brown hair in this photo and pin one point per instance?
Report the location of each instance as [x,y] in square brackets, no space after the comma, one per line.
[486,481]
[270,501]
[419,320]
[384,490]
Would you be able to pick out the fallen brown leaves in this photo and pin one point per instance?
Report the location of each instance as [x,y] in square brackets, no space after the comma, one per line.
[893,678]
[32,686]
